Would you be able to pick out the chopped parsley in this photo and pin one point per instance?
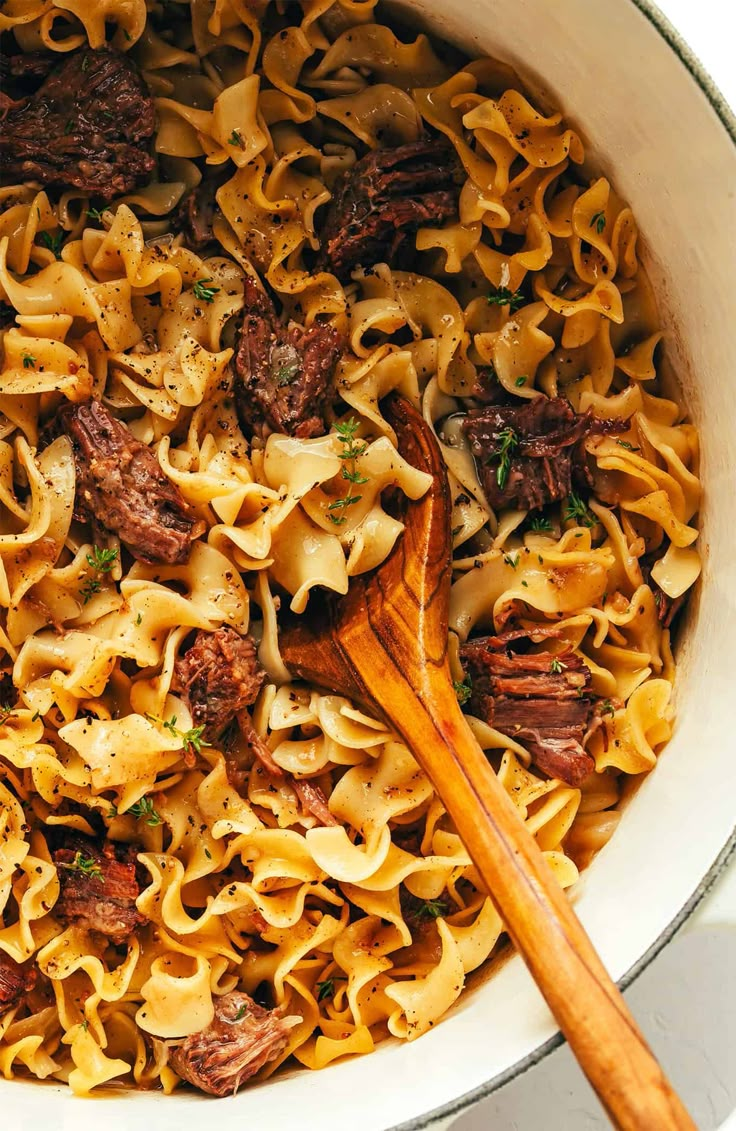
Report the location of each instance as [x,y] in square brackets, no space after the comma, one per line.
[242,1010]
[598,221]
[352,449]
[203,292]
[520,381]
[512,559]
[502,296]
[29,361]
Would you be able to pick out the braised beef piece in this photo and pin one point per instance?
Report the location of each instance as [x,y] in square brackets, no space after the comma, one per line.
[540,700]
[15,982]
[241,1039]
[545,457]
[219,675]
[98,884]
[88,126]
[383,199]
[21,75]
[197,211]
[122,487]
[284,373]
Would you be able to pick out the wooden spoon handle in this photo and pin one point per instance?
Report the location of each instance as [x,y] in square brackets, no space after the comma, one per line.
[586,1003]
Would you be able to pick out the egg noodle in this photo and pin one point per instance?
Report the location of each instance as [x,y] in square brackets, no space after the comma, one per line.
[368,927]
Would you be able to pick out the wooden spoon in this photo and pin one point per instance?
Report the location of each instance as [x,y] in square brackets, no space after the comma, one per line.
[385,644]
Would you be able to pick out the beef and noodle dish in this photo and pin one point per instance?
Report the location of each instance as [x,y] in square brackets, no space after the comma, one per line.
[227,231]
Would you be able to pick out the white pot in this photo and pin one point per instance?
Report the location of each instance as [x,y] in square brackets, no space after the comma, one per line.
[652,122]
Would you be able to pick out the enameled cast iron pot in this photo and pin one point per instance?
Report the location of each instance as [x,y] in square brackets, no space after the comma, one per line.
[655,125]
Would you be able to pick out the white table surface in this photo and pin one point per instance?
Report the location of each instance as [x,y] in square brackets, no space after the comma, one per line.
[686,1000]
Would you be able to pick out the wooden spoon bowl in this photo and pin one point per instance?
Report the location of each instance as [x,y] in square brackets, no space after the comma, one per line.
[385,645]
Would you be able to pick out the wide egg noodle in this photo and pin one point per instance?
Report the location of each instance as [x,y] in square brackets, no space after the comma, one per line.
[365,926]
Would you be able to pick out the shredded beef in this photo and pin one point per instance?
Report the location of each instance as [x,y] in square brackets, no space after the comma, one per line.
[196,212]
[220,675]
[122,487]
[15,982]
[541,700]
[87,127]
[102,897]
[241,1039]
[284,373]
[547,457]
[383,199]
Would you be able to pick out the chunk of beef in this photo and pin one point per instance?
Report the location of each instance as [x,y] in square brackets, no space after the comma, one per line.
[383,199]
[241,1039]
[284,373]
[122,487]
[197,210]
[541,700]
[88,126]
[220,675]
[15,982]
[542,439]
[98,884]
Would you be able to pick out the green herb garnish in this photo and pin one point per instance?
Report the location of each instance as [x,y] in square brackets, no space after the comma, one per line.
[243,1009]
[101,561]
[463,690]
[598,221]
[507,442]
[53,242]
[236,139]
[95,214]
[607,707]
[629,447]
[286,373]
[326,989]
[557,666]
[502,296]
[87,865]
[576,511]
[540,524]
[191,740]
[512,559]
[203,292]
[29,361]
[5,713]
[352,449]
[431,909]
[143,810]
[520,381]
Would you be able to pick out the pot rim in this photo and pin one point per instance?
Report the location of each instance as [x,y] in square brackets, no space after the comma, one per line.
[727,856]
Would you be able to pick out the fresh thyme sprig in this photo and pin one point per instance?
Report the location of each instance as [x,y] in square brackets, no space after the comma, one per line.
[463,689]
[577,511]
[202,291]
[29,361]
[53,242]
[507,442]
[144,810]
[502,296]
[101,561]
[287,372]
[431,909]
[5,713]
[191,740]
[87,865]
[352,449]
[557,666]
[540,524]
[326,989]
